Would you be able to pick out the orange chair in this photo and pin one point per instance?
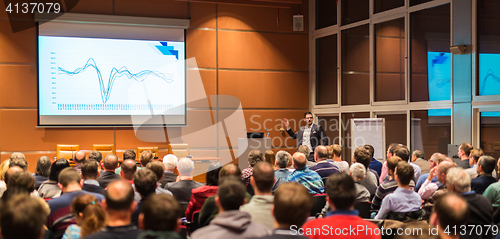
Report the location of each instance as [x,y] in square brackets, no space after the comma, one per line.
[105,149]
[154,150]
[67,151]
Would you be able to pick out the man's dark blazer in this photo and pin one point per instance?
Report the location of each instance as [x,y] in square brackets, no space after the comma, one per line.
[168,177]
[318,136]
[107,177]
[93,188]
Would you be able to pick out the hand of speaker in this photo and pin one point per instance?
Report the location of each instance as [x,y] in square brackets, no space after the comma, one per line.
[286,123]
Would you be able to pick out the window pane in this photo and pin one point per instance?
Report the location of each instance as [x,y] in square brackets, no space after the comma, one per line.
[389,62]
[331,126]
[346,144]
[395,129]
[415,2]
[326,70]
[384,5]
[430,131]
[356,66]
[326,13]
[430,75]
[354,11]
[490,133]
[488,36]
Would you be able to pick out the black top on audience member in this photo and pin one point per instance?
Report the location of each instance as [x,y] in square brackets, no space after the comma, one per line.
[57,167]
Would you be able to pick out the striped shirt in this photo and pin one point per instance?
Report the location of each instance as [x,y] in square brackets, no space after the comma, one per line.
[310,179]
[325,169]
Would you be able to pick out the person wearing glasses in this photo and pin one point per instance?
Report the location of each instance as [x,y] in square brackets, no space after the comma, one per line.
[310,135]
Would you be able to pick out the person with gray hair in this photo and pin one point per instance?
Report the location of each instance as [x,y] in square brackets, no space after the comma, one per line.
[417,158]
[281,172]
[42,170]
[485,167]
[481,211]
[358,172]
[182,188]
[170,162]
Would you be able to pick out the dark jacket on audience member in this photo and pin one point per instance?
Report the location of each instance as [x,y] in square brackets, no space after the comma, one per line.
[106,178]
[93,188]
[481,214]
[481,182]
[39,180]
[159,235]
[182,189]
[168,177]
[376,165]
[122,232]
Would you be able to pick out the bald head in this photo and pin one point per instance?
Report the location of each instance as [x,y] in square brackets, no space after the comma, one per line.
[11,171]
[263,177]
[128,167]
[230,169]
[80,156]
[299,160]
[442,170]
[320,153]
[119,196]
[110,162]
[450,211]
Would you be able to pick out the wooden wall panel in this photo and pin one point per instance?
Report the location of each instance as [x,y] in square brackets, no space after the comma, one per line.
[198,93]
[251,50]
[202,15]
[152,8]
[266,89]
[126,138]
[19,47]
[201,45]
[18,86]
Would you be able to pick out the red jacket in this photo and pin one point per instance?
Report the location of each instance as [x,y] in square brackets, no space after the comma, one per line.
[198,197]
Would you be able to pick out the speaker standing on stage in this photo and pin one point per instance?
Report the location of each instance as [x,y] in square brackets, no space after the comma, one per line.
[310,135]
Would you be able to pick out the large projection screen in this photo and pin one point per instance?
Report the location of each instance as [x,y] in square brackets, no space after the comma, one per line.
[92,74]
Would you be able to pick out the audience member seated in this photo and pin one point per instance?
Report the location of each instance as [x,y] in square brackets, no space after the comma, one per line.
[270,157]
[90,217]
[418,158]
[159,218]
[79,158]
[18,159]
[403,199]
[334,157]
[4,166]
[464,155]
[306,151]
[390,152]
[11,171]
[119,204]
[23,216]
[358,172]
[128,154]
[291,207]
[200,194]
[42,170]
[97,156]
[60,215]
[404,153]
[429,188]
[261,203]
[281,172]
[109,165]
[486,165]
[475,154]
[231,222]
[434,161]
[451,211]
[322,167]
[370,182]
[19,182]
[374,163]
[90,173]
[481,211]
[145,183]
[170,162]
[145,157]
[303,175]
[158,168]
[388,186]
[50,189]
[492,193]
[182,188]
[341,194]
[254,157]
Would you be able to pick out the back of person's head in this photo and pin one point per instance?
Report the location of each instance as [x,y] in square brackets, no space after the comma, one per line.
[11,171]
[282,158]
[229,169]
[80,157]
[69,176]
[185,166]
[212,176]
[170,162]
[4,166]
[119,196]
[43,166]
[445,166]
[336,150]
[392,162]
[458,179]
[20,162]
[22,216]
[254,157]
[160,212]
[466,147]
[299,160]
[146,157]
[129,154]
[110,162]
[263,176]
[392,148]
[145,182]
[92,214]
[90,169]
[476,154]
[341,191]
[157,167]
[17,155]
[20,182]
[362,156]
[270,157]
[231,193]
[403,152]
[357,171]
[450,211]
[128,168]
[487,163]
[419,154]
[321,152]
[292,204]
[371,149]
[404,172]
[304,149]
[96,155]
[56,168]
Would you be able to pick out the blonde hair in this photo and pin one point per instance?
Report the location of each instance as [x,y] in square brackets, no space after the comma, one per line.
[270,157]
[4,166]
[94,217]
